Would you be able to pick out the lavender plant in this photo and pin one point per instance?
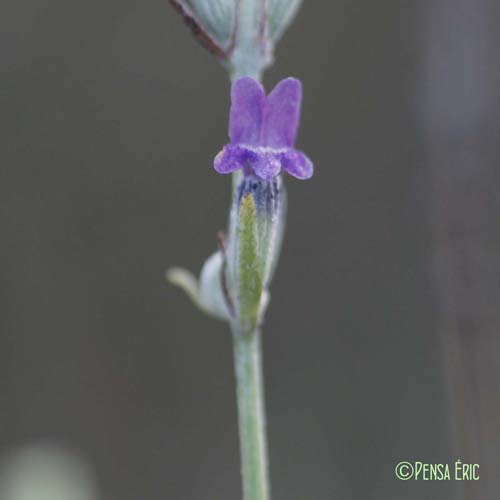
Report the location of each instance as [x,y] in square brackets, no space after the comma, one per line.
[234,281]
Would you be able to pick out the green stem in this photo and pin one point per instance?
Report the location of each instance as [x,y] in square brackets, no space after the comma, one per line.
[250,57]
[252,52]
[251,413]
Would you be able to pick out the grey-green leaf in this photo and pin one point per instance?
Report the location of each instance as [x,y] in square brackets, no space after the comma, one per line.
[281,14]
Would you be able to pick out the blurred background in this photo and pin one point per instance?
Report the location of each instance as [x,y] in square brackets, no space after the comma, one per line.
[381,342]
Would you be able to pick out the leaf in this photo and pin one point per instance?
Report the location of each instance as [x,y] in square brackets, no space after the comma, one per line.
[250,275]
[281,14]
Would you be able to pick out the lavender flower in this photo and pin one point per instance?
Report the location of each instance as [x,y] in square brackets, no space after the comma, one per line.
[263,129]
[234,282]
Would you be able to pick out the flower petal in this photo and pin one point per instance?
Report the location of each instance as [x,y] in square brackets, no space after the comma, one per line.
[247,107]
[282,114]
[296,163]
[231,158]
[267,164]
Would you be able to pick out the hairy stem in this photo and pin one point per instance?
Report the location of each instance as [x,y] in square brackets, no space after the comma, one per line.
[251,413]
[252,50]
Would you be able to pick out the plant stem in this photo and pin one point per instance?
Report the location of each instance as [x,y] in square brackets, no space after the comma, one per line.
[252,51]
[251,414]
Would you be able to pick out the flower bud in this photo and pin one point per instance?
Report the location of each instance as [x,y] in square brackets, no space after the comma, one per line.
[241,33]
[211,21]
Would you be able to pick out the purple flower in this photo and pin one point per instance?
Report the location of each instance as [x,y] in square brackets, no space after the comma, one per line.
[263,129]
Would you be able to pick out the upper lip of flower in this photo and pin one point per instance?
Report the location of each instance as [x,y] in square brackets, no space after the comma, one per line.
[263,130]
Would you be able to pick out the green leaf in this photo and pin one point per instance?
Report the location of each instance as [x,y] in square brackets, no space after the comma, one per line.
[250,274]
[206,293]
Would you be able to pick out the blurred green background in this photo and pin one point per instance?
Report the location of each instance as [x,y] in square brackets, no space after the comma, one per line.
[111,116]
